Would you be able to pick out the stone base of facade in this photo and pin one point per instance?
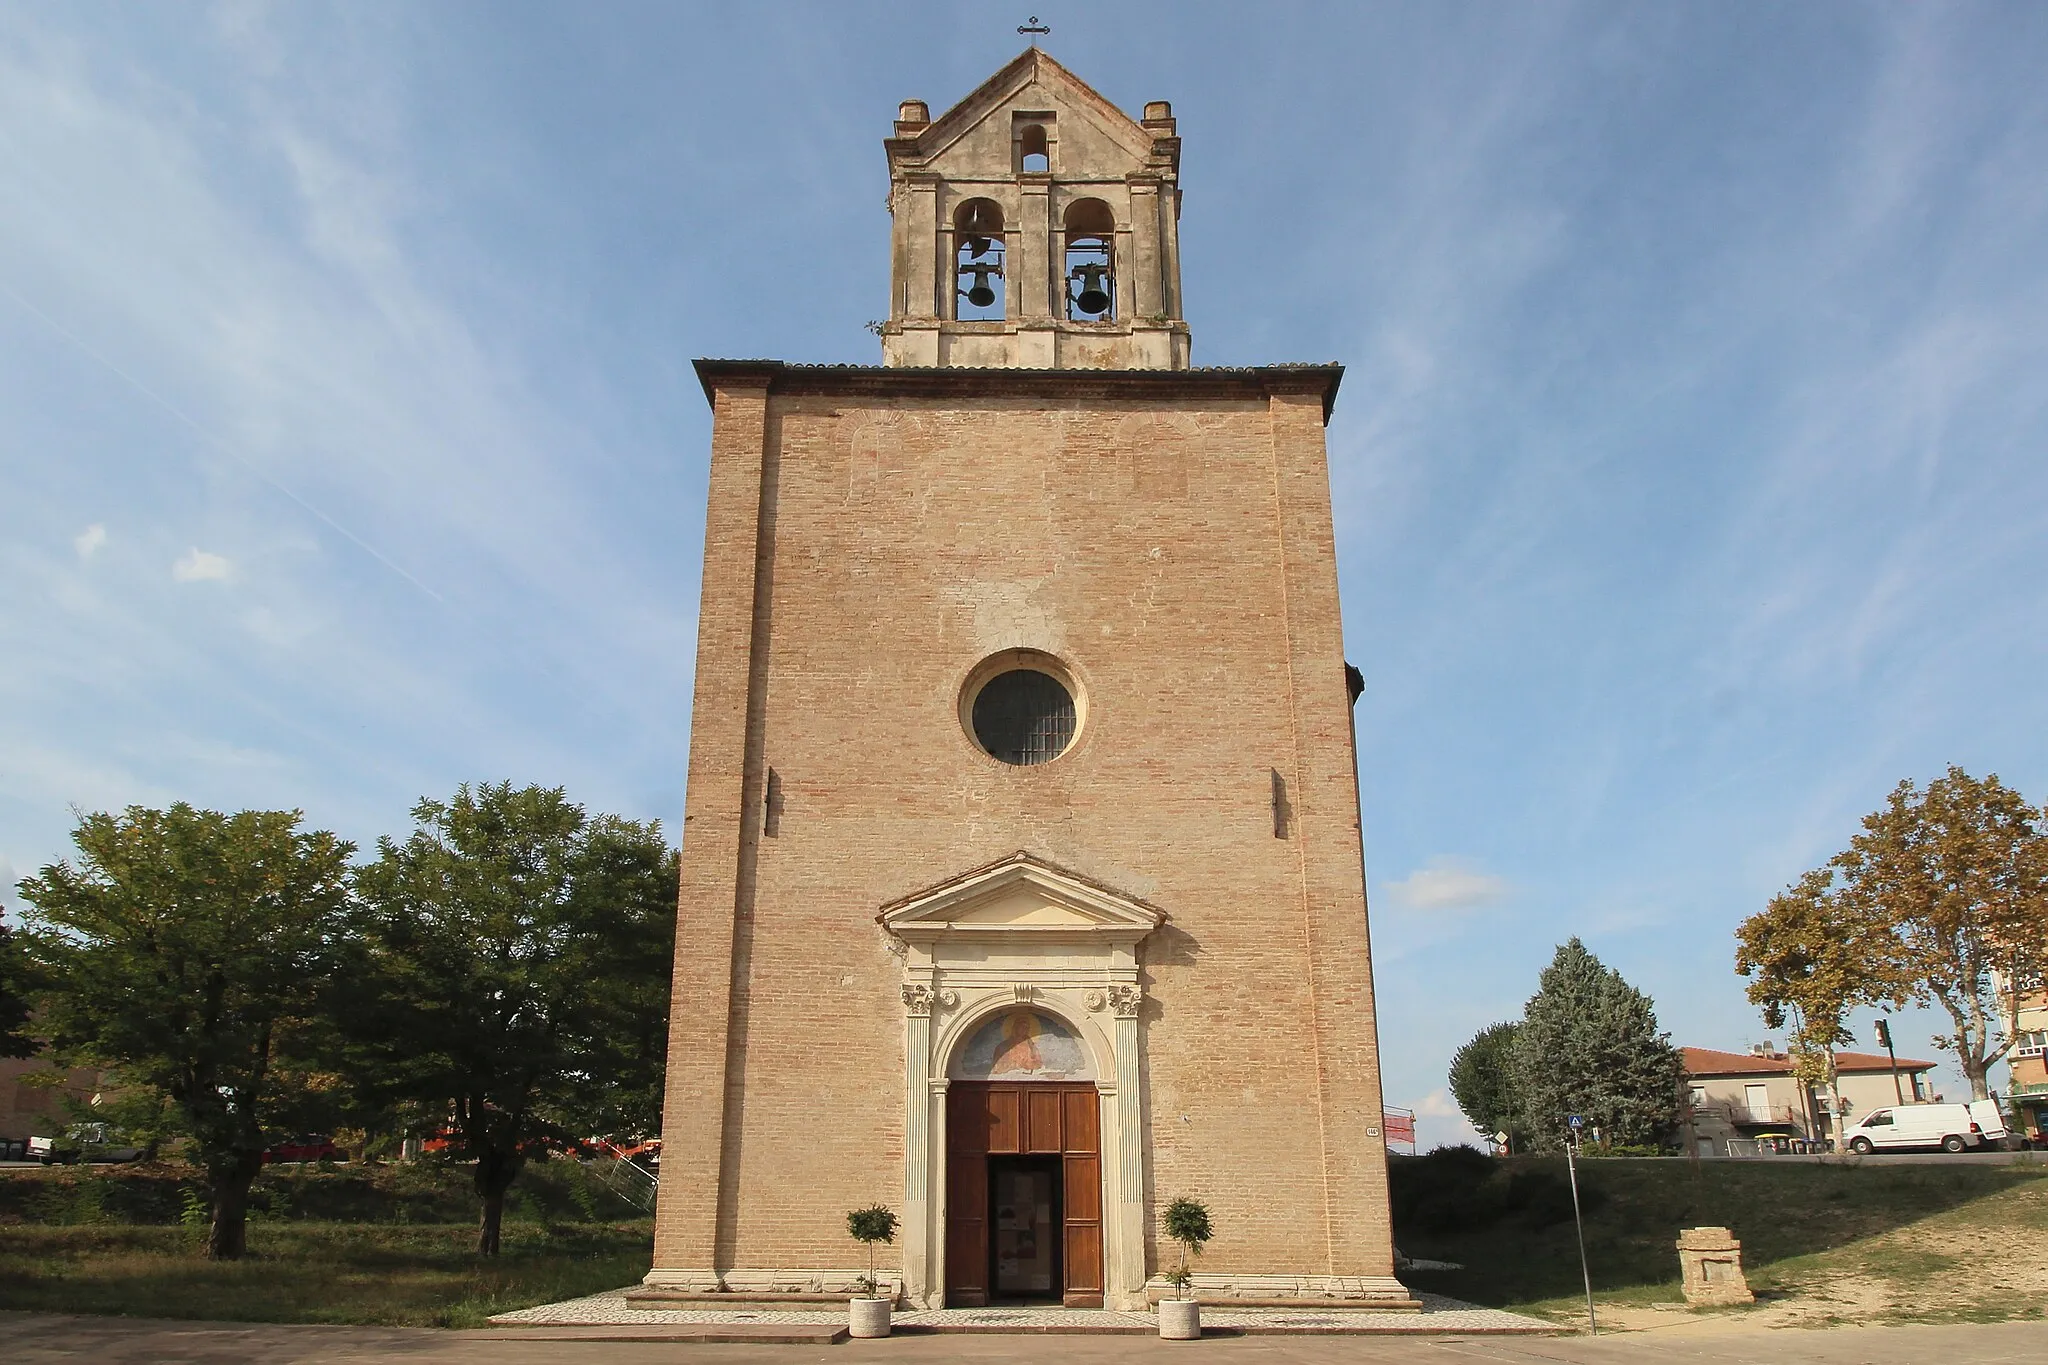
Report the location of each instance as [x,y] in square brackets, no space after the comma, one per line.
[729,1287]
[1379,1292]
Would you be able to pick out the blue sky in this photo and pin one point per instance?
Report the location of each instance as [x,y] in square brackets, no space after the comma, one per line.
[1689,472]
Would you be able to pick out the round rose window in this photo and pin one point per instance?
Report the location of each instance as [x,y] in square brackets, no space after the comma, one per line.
[1023,716]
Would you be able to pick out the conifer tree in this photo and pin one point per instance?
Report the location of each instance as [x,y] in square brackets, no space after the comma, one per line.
[1589,1045]
[1486,1082]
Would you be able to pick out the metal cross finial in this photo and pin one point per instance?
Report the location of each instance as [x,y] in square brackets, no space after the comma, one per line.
[1034,27]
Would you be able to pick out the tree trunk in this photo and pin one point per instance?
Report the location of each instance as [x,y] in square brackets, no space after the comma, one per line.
[495,1172]
[228,1238]
[493,1220]
[1969,1040]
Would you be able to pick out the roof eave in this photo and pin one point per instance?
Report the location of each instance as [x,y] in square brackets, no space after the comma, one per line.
[1324,378]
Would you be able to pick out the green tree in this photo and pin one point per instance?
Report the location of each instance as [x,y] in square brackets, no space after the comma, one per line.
[1589,1045]
[513,977]
[876,1223]
[14,993]
[1187,1223]
[1486,1082]
[1813,956]
[1950,884]
[188,950]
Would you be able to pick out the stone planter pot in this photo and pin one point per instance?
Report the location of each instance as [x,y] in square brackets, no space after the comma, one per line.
[1180,1319]
[867,1317]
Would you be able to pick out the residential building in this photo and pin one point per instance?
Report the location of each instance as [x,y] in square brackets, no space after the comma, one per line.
[36,1101]
[2027,1091]
[1746,1094]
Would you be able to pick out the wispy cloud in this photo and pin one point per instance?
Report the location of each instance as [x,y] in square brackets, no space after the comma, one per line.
[1448,884]
[236,271]
[202,566]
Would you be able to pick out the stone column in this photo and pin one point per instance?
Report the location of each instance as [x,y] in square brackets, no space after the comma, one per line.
[934,1268]
[917,1147]
[1169,249]
[1032,263]
[1125,998]
[1124,258]
[1149,301]
[920,285]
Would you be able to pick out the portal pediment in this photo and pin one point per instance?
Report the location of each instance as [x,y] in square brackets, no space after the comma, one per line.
[1021,896]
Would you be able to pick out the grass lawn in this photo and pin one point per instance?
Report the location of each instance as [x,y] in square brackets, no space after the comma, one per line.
[1868,1242]
[420,1275]
[349,1244]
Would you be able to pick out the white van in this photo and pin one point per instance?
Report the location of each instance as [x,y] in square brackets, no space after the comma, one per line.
[1951,1127]
[1992,1120]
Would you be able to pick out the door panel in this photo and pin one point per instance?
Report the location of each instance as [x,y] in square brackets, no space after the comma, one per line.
[1081,1108]
[1083,1119]
[1042,1111]
[1083,1188]
[1005,1119]
[967,1231]
[966,1117]
[1083,1232]
[967,1124]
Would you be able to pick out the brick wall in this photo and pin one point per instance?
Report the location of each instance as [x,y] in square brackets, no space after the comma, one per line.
[865,549]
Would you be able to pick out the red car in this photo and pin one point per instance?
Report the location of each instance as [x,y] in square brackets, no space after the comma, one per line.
[305,1147]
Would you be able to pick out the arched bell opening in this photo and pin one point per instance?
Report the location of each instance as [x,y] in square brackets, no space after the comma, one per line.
[1090,261]
[978,260]
[1034,149]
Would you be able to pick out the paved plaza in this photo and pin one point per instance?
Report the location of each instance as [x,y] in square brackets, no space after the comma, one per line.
[37,1339]
[1438,1317]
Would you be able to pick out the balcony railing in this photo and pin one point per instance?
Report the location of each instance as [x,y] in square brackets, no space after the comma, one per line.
[1743,1115]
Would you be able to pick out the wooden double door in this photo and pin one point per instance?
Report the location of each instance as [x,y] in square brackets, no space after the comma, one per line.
[1023,1193]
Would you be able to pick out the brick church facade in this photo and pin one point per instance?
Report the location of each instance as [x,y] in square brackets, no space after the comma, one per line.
[1022,885]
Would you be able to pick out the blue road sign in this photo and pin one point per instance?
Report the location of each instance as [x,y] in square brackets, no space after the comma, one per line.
[1577,1121]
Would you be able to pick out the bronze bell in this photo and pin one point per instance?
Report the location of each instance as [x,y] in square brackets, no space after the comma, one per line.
[1093,298]
[980,294]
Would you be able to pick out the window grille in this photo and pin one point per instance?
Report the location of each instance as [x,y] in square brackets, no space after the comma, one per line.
[1024,717]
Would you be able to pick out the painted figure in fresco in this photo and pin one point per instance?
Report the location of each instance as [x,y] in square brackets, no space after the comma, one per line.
[1018,1051]
[1022,1045]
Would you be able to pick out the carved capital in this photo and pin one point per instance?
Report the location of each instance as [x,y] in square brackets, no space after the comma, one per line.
[1124,999]
[918,1000]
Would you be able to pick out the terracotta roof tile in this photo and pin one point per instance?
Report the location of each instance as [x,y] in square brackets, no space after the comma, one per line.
[1707,1061]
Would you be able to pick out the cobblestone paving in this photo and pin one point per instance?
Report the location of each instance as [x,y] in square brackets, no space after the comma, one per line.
[1439,1317]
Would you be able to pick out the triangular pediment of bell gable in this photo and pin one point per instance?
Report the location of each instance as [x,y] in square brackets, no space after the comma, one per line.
[1021,894]
[1033,82]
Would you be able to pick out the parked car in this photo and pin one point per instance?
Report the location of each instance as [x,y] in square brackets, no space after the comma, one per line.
[305,1147]
[88,1142]
[1951,1127]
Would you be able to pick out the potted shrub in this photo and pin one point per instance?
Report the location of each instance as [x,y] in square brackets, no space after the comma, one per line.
[868,1311]
[1187,1222]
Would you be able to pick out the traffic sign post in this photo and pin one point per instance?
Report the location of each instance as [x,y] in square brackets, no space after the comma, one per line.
[1571,1166]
